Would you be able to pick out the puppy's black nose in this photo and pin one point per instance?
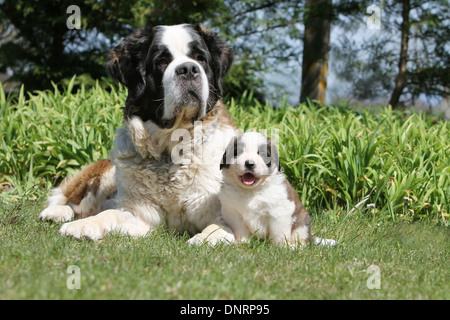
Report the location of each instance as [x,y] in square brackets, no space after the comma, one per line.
[249,164]
[188,70]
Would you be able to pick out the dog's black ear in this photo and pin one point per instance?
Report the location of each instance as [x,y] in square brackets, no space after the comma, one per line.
[221,53]
[230,151]
[272,154]
[126,62]
[223,163]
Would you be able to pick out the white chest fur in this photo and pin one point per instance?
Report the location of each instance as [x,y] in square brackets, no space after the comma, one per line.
[263,211]
[183,195]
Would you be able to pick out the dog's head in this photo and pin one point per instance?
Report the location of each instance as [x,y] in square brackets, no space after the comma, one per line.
[249,159]
[168,69]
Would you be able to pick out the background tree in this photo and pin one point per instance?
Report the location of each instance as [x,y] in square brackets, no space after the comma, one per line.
[38,47]
[316,45]
[286,36]
[407,58]
[42,48]
[401,75]
[269,36]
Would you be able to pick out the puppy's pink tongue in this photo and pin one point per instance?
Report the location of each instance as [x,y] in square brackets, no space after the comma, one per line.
[248,179]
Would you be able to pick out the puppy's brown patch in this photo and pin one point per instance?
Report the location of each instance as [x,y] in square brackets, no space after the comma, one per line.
[300,216]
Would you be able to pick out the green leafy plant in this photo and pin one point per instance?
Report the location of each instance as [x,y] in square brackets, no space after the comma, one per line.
[379,162]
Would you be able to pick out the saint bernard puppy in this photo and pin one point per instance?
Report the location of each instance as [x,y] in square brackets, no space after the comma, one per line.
[257,199]
[164,167]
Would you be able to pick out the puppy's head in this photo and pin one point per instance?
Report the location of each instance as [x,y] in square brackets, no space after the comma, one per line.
[170,69]
[249,159]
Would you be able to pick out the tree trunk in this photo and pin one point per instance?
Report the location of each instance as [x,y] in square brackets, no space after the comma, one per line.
[56,52]
[400,79]
[316,45]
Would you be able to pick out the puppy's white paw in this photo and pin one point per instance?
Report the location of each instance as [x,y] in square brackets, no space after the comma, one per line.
[196,240]
[84,228]
[211,238]
[57,213]
[324,242]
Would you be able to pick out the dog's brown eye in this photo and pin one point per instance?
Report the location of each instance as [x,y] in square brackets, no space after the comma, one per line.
[162,63]
[200,58]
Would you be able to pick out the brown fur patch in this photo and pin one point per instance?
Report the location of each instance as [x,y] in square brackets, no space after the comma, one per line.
[87,180]
[300,215]
[220,111]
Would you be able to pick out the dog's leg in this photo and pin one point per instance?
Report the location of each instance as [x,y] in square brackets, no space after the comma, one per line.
[280,232]
[83,194]
[237,225]
[213,234]
[300,235]
[57,209]
[241,233]
[96,227]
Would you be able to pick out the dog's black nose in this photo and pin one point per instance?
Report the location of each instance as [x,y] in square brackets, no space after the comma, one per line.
[188,70]
[249,164]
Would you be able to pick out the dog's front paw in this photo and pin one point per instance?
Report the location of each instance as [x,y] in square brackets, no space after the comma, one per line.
[85,228]
[211,238]
[196,240]
[57,213]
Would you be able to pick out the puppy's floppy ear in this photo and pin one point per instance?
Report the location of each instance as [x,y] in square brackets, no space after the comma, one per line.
[223,163]
[230,150]
[272,154]
[221,53]
[126,62]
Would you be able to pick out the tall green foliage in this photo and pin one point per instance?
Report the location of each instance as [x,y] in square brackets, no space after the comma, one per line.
[383,163]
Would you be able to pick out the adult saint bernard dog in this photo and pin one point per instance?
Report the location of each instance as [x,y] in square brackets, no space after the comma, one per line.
[164,167]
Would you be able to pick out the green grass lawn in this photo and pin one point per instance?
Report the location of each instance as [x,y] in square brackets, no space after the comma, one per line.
[412,258]
[376,180]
